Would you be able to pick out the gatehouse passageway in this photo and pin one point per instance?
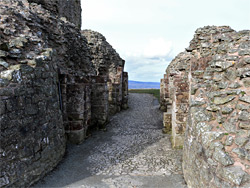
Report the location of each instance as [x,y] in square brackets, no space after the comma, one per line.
[132,152]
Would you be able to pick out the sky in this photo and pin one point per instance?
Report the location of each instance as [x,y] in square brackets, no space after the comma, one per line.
[148,34]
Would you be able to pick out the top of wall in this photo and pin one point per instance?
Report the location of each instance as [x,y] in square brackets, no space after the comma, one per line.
[71,10]
[105,58]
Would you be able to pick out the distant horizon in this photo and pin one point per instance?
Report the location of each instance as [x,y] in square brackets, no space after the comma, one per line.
[142,81]
[149,34]
[143,85]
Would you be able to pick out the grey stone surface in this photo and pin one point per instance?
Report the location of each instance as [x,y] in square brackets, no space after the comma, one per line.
[217,124]
[70,9]
[46,78]
[132,152]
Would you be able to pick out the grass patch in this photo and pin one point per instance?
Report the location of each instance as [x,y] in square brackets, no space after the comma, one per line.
[155,92]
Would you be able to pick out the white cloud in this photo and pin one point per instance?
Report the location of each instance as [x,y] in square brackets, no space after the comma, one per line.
[158,47]
[142,30]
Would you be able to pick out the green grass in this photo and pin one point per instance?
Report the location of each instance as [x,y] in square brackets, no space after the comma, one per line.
[155,92]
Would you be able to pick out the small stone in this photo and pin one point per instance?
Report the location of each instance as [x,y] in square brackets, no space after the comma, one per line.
[232,58]
[211,162]
[32,63]
[197,103]
[3,53]
[220,119]
[242,107]
[4,82]
[217,77]
[234,85]
[240,141]
[222,157]
[240,152]
[234,174]
[4,63]
[202,115]
[15,53]
[229,141]
[6,74]
[214,145]
[4,181]
[222,64]
[244,52]
[247,157]
[244,125]
[226,110]
[246,82]
[213,108]
[231,74]
[18,42]
[203,127]
[223,85]
[208,137]
[205,45]
[245,99]
[247,146]
[243,72]
[247,60]
[229,127]
[244,115]
[223,100]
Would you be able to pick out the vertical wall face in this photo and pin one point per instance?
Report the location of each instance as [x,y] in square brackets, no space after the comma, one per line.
[175,98]
[108,62]
[211,93]
[216,151]
[76,106]
[70,9]
[99,101]
[125,91]
[50,90]
[34,49]
[32,133]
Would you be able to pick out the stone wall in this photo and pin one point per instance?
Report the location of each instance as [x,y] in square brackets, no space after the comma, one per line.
[32,133]
[99,101]
[108,62]
[49,87]
[125,90]
[69,9]
[217,135]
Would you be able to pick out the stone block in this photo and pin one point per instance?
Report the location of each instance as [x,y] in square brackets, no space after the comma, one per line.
[167,123]
[76,136]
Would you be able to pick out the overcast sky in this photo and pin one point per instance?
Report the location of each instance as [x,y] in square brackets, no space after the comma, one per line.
[148,34]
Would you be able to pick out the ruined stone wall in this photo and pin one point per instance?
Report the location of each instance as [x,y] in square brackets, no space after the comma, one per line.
[175,98]
[32,133]
[99,101]
[217,136]
[218,130]
[108,62]
[125,90]
[69,9]
[49,88]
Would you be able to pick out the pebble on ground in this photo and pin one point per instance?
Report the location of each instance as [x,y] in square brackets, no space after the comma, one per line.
[133,152]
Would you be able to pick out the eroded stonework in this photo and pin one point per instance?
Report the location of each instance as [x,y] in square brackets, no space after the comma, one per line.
[208,85]
[108,62]
[49,88]
[66,9]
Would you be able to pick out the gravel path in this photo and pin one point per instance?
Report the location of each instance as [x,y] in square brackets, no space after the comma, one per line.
[133,152]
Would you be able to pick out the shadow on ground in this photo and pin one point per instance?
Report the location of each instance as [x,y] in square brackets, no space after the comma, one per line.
[132,152]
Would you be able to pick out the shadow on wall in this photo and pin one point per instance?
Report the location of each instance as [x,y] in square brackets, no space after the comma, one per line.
[49,87]
[105,150]
[208,88]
